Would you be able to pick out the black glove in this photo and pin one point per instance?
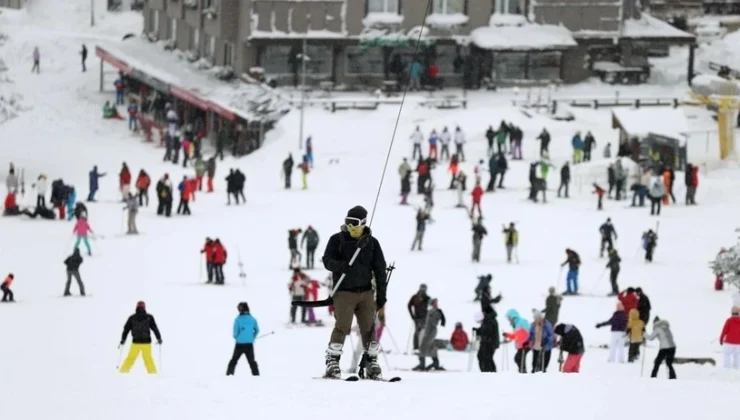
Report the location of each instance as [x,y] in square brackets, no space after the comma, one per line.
[345,268]
[363,241]
[380,300]
[159,341]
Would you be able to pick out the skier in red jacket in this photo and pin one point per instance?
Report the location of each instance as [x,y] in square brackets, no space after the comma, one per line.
[477,195]
[730,339]
[219,259]
[208,251]
[124,181]
[629,299]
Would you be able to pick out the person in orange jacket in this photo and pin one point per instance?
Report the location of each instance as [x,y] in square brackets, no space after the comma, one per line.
[186,193]
[193,184]
[142,186]
[459,340]
[477,194]
[208,251]
[519,336]
[668,187]
[5,287]
[219,259]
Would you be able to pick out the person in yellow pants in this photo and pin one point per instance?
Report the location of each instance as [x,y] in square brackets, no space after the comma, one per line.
[140,325]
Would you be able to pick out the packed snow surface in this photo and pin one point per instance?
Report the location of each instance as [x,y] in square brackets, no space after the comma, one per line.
[58,356]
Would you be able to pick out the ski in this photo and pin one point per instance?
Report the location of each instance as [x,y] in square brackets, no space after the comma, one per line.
[428,371]
[346,379]
[393,379]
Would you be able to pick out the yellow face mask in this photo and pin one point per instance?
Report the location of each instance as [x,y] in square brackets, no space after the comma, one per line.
[355,231]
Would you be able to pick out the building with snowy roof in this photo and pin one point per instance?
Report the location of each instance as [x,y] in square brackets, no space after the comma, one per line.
[368,42]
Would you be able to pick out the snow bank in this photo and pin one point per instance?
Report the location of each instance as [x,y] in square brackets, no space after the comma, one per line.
[650,27]
[522,37]
[725,52]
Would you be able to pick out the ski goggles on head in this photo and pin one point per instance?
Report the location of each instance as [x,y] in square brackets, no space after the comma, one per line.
[354,221]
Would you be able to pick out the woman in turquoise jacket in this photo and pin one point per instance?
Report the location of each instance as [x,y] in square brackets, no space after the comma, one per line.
[245,332]
[519,336]
[71,201]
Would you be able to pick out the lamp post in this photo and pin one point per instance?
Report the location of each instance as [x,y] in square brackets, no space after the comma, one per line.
[304,59]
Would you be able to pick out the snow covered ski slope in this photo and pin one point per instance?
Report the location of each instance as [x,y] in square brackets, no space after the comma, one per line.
[58,356]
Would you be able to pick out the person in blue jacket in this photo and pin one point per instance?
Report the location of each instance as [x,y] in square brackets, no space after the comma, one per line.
[541,340]
[94,177]
[245,332]
[71,200]
[415,75]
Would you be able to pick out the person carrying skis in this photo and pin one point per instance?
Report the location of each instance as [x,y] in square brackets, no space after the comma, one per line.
[142,187]
[614,265]
[649,242]
[488,340]
[729,338]
[245,333]
[416,138]
[564,179]
[94,178]
[295,255]
[5,288]
[571,342]
[133,210]
[311,239]
[82,229]
[479,231]
[574,263]
[354,294]
[520,337]
[139,325]
[124,181]
[511,240]
[219,259]
[73,263]
[618,324]
[427,346]
[288,170]
[667,352]
[421,225]
[208,251]
[608,236]
[599,196]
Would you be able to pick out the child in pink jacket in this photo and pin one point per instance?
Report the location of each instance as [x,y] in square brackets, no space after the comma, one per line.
[82,229]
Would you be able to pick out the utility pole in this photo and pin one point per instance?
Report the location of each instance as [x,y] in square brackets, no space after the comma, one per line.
[303,94]
[92,13]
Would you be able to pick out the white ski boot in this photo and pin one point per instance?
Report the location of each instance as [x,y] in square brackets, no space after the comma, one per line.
[333,353]
[372,368]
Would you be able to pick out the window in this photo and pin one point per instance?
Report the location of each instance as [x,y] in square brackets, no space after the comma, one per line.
[364,61]
[172,36]
[319,60]
[382,6]
[228,54]
[207,4]
[507,6]
[446,55]
[211,51]
[277,59]
[544,65]
[195,40]
[510,66]
[448,7]
[154,21]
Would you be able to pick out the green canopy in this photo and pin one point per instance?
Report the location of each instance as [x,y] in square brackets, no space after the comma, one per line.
[393,42]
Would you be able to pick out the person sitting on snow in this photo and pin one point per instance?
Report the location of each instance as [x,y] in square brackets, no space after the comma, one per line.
[11,206]
[110,111]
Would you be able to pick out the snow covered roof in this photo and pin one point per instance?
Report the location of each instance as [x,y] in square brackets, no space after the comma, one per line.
[312,34]
[528,36]
[650,27]
[669,122]
[248,101]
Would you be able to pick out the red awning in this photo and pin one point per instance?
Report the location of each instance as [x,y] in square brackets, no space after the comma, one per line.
[222,111]
[113,61]
[190,98]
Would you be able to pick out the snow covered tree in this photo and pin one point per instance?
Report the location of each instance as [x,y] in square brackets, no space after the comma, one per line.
[727,265]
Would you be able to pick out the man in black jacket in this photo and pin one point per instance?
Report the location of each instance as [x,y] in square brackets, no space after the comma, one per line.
[488,334]
[571,342]
[418,307]
[73,263]
[643,305]
[139,325]
[311,238]
[354,294]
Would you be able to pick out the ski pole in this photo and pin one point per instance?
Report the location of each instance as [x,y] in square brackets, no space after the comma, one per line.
[120,356]
[161,363]
[393,340]
[200,269]
[593,286]
[472,347]
[644,353]
[265,335]
[409,340]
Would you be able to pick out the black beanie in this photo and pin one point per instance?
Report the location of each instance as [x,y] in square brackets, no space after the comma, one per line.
[358,212]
